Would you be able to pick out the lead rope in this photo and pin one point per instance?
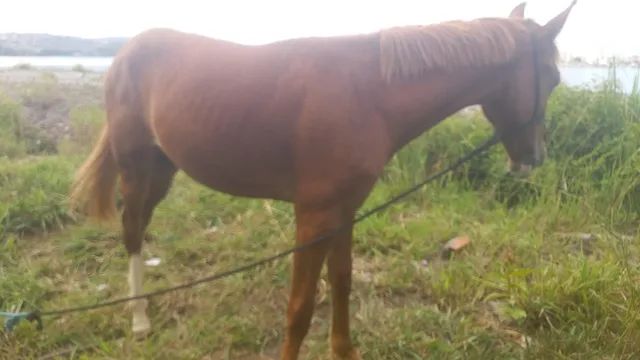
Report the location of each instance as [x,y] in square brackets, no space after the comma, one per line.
[14,318]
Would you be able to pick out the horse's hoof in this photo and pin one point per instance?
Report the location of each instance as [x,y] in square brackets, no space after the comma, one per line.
[141,333]
[141,328]
[148,238]
[352,354]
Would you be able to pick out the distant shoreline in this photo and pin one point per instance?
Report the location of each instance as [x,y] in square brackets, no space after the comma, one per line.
[621,63]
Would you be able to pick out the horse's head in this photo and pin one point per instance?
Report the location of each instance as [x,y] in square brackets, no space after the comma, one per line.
[517,109]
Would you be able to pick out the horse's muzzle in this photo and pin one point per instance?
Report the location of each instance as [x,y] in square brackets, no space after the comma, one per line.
[520,169]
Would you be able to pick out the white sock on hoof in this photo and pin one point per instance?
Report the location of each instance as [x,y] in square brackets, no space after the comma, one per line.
[141,324]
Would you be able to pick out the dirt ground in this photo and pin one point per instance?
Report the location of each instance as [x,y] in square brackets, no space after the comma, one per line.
[48,96]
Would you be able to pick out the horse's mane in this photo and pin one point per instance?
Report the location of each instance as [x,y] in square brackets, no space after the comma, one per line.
[413,50]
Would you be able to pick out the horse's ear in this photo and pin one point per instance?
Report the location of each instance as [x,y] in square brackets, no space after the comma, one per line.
[518,11]
[554,26]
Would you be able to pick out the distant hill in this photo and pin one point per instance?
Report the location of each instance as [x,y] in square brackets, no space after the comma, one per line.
[13,44]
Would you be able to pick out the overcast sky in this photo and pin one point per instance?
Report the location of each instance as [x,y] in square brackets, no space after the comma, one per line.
[595,28]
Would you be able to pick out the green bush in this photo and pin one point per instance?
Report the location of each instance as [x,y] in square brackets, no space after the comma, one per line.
[23,66]
[86,123]
[33,194]
[10,129]
[79,68]
[43,93]
[17,137]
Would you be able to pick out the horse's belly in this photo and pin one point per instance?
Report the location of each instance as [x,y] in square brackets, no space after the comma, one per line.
[240,182]
[239,142]
[243,165]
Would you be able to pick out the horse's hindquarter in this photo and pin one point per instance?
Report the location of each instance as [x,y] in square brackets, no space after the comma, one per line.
[222,118]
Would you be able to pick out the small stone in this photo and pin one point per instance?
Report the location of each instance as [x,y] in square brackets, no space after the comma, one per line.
[211,230]
[454,245]
[153,262]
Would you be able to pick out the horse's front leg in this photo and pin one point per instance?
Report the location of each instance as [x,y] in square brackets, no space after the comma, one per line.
[339,266]
[307,264]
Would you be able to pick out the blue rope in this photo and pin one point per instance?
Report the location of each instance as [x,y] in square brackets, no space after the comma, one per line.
[14,318]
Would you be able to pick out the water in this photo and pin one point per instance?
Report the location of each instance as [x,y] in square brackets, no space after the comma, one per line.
[591,75]
[571,75]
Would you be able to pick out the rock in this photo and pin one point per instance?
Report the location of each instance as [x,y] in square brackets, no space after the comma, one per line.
[153,261]
[455,245]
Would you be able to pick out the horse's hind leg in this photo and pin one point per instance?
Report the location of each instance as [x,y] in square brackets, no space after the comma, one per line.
[146,178]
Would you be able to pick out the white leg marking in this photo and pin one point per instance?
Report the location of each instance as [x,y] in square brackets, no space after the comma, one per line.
[141,324]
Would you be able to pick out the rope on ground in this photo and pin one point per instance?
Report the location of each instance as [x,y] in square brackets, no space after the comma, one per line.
[14,318]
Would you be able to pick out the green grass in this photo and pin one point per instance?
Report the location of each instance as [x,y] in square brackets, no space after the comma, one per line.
[531,285]
[11,129]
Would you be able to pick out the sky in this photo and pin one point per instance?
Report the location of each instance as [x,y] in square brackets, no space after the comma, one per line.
[596,28]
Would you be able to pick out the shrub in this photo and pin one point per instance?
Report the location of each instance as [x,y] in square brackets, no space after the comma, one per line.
[79,68]
[33,194]
[86,123]
[11,129]
[23,66]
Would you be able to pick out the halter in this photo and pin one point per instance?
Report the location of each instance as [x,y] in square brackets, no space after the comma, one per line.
[536,76]
[536,116]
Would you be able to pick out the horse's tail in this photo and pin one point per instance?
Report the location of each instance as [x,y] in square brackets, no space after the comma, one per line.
[93,190]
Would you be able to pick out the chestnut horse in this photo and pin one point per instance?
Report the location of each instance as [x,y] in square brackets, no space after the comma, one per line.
[309,121]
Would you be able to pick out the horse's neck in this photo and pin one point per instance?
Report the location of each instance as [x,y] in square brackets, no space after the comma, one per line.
[412,107]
